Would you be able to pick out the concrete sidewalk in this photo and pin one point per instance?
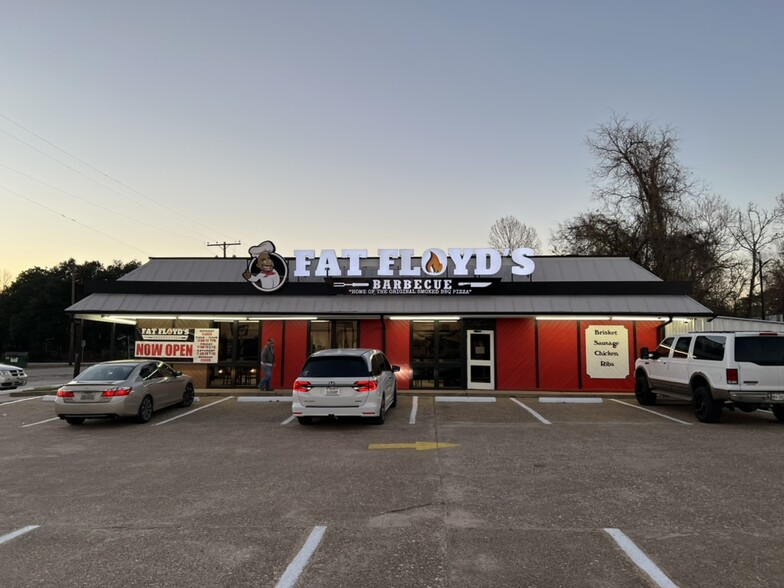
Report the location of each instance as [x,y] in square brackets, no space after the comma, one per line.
[44,379]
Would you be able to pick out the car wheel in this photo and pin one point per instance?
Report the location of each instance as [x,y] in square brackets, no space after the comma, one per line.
[394,397]
[145,410]
[642,391]
[382,412]
[706,409]
[778,412]
[74,420]
[305,420]
[188,396]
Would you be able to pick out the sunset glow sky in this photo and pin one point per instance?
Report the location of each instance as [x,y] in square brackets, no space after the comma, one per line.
[146,128]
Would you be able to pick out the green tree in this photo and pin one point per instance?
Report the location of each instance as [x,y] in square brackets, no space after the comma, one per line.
[32,308]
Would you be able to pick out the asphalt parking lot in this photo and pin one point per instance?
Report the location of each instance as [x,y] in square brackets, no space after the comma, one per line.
[449,492]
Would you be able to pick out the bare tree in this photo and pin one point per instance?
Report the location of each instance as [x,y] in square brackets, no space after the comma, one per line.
[756,230]
[652,211]
[638,178]
[509,233]
[5,279]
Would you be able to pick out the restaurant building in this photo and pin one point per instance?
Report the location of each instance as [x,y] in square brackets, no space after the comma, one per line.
[457,318]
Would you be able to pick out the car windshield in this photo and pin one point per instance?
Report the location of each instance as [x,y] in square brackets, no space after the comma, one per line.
[762,350]
[335,367]
[99,373]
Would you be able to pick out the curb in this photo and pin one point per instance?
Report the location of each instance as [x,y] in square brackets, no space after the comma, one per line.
[239,392]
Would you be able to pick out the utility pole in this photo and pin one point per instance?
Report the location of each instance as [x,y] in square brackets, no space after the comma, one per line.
[223,245]
[72,341]
[762,291]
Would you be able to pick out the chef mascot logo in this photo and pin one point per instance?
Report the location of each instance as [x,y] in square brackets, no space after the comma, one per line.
[266,269]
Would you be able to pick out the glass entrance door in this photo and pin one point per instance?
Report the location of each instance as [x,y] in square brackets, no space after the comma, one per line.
[481,360]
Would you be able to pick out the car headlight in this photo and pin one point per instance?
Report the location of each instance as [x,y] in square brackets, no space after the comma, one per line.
[5,373]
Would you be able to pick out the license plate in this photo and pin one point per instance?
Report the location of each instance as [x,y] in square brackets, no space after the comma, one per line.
[777,396]
[88,396]
[332,392]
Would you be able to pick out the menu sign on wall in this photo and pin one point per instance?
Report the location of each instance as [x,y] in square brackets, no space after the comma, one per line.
[206,346]
[607,352]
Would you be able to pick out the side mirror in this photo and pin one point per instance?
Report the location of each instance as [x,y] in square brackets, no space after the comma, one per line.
[644,353]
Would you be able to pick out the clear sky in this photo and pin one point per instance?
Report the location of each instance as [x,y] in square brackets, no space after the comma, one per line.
[147,128]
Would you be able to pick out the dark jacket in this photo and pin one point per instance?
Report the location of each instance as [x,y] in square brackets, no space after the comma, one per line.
[268,354]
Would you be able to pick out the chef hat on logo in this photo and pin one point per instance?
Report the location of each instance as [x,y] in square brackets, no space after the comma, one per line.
[264,247]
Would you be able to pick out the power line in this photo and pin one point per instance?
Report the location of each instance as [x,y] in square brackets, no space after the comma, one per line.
[65,216]
[157,202]
[123,214]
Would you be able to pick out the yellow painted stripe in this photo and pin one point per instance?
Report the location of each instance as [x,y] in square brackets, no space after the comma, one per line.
[419,445]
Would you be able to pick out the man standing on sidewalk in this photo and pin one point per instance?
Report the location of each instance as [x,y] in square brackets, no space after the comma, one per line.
[267,360]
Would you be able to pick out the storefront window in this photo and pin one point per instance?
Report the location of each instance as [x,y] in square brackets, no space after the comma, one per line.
[436,354]
[220,375]
[346,334]
[226,344]
[319,336]
[423,343]
[332,334]
[248,342]
[238,356]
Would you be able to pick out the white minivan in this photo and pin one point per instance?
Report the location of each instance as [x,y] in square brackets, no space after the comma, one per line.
[345,382]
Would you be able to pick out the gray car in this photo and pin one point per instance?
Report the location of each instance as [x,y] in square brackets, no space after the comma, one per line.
[129,388]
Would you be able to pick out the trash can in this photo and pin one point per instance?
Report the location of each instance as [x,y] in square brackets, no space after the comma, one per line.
[15,358]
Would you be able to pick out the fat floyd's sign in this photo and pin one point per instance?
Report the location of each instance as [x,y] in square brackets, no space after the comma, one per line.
[482,262]
[395,271]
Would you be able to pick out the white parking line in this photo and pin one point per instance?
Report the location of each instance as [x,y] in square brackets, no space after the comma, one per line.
[179,416]
[664,416]
[297,565]
[264,399]
[288,420]
[20,400]
[533,412]
[465,398]
[643,562]
[17,533]
[569,400]
[40,422]
[414,408]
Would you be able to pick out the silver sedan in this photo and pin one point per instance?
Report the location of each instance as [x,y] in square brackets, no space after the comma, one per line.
[129,388]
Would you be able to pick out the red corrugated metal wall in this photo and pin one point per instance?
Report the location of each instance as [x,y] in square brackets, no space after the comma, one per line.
[516,355]
[370,334]
[296,334]
[398,349]
[559,344]
[647,336]
[558,364]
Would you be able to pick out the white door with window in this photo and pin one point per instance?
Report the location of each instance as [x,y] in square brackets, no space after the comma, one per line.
[481,360]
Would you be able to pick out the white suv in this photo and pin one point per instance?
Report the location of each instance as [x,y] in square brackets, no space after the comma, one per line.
[715,369]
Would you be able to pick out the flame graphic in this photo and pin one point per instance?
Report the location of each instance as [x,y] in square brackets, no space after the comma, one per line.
[434,265]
